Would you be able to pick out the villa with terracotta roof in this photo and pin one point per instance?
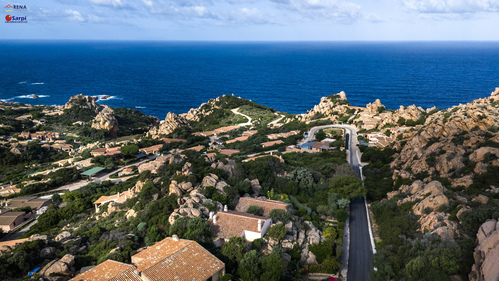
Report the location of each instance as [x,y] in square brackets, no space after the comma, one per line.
[171,259]
[266,205]
[109,270]
[241,138]
[118,198]
[271,143]
[151,149]
[8,189]
[98,151]
[170,140]
[227,224]
[177,259]
[197,148]
[11,220]
[229,152]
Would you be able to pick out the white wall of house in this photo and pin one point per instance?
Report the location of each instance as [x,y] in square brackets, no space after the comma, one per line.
[252,235]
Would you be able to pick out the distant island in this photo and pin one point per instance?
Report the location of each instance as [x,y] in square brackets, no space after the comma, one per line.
[90,190]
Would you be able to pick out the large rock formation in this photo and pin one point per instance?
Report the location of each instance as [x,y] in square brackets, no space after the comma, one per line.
[171,122]
[192,207]
[105,120]
[451,143]
[486,267]
[82,101]
[332,107]
[63,267]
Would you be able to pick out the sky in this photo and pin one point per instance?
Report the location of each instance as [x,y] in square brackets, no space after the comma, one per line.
[254,20]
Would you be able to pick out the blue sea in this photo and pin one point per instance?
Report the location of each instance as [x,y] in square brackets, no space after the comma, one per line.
[158,77]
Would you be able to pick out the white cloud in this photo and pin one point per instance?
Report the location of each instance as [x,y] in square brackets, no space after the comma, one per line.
[248,16]
[331,10]
[113,3]
[73,15]
[451,6]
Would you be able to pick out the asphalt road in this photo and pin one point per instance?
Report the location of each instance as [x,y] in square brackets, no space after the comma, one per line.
[360,251]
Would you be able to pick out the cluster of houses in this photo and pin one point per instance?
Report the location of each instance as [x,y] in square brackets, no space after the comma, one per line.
[41,136]
[9,219]
[218,131]
[179,259]
[320,146]
[169,259]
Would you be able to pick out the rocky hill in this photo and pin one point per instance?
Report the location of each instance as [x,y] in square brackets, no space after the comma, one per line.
[333,106]
[105,120]
[82,101]
[170,124]
[449,165]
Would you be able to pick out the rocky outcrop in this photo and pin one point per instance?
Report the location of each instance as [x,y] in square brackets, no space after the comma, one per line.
[63,236]
[332,107]
[450,144]
[82,101]
[170,124]
[192,207]
[64,267]
[375,107]
[486,253]
[105,120]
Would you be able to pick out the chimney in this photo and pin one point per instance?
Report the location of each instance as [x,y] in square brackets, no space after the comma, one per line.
[175,237]
[225,208]
[271,153]
[259,225]
[211,215]
[215,219]
[118,195]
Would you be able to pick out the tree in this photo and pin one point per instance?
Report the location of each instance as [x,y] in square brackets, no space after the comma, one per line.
[56,198]
[249,267]
[255,210]
[272,267]
[320,135]
[348,187]
[329,233]
[330,265]
[235,249]
[277,231]
[341,215]
[130,150]
[279,215]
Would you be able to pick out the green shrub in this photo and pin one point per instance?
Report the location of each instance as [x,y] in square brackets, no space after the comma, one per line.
[255,210]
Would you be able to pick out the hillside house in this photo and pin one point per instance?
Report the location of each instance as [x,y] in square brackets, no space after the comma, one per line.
[11,220]
[227,224]
[266,205]
[271,143]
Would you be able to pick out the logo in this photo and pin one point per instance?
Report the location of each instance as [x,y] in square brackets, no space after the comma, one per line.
[10,8]
[14,19]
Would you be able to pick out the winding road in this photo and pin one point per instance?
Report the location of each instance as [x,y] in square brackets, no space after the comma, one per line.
[361,247]
[236,111]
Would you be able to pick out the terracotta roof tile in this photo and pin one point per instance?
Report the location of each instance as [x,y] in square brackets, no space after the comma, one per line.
[271,143]
[232,223]
[109,271]
[177,260]
[266,205]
